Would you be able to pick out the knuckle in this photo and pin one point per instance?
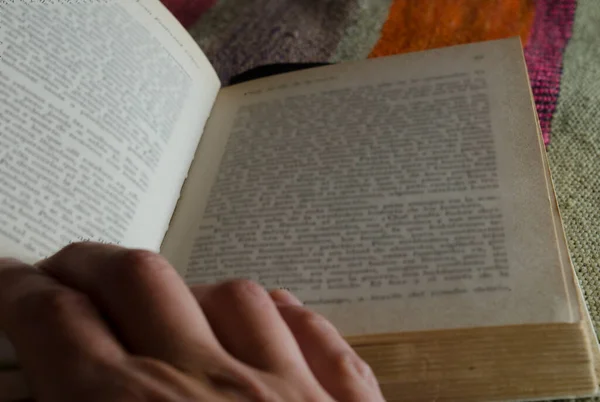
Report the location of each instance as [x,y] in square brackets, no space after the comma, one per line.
[57,262]
[256,391]
[141,264]
[364,369]
[141,258]
[350,364]
[248,384]
[53,302]
[312,321]
[241,289]
[74,248]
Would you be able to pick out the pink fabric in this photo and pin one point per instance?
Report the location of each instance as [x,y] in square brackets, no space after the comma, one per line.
[550,33]
[188,11]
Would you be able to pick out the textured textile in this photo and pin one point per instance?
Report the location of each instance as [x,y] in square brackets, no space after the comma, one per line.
[562,50]
[544,52]
[238,36]
[188,11]
[575,150]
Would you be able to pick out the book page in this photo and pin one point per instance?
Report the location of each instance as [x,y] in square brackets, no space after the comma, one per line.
[572,288]
[395,194]
[102,105]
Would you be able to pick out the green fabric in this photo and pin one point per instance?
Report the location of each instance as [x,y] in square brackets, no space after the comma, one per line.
[574,152]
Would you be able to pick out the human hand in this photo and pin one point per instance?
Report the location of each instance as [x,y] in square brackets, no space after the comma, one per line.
[101,323]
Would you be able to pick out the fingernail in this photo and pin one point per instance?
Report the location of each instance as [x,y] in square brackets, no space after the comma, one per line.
[283,296]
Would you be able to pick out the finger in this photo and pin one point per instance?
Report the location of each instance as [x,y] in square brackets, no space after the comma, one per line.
[56,331]
[343,374]
[282,296]
[248,325]
[151,308]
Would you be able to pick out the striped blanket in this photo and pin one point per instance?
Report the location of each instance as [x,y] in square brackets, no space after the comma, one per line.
[562,49]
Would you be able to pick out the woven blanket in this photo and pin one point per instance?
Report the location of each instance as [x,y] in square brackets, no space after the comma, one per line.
[562,50]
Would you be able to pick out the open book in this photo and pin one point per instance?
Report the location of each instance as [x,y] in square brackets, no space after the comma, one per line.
[407,198]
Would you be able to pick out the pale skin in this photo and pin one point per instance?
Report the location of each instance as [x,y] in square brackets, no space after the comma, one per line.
[102,323]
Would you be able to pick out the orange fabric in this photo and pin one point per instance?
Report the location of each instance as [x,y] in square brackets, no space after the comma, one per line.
[424,24]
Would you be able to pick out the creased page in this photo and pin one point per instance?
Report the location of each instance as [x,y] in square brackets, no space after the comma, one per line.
[403,193]
[101,107]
